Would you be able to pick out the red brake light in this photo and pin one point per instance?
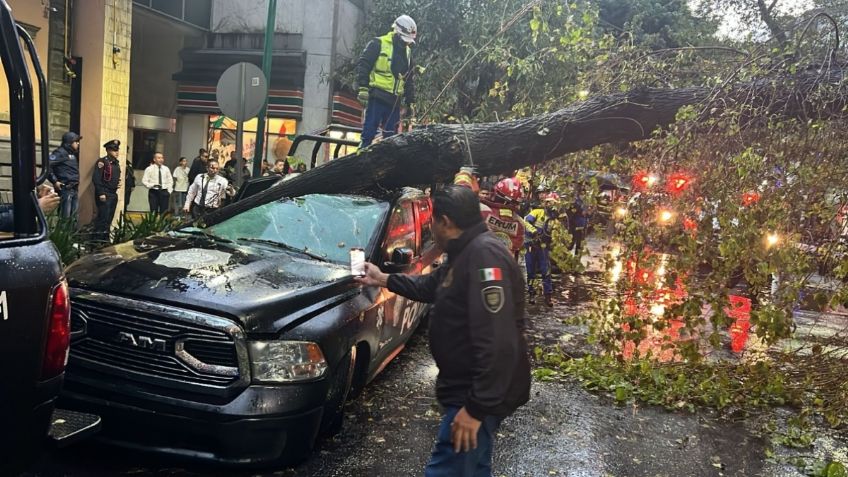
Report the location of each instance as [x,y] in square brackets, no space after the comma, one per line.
[58,332]
[750,198]
[644,181]
[677,183]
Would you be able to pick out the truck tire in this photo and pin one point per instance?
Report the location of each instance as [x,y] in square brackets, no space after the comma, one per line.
[333,418]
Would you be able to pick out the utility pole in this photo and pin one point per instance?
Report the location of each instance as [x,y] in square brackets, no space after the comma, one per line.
[266,68]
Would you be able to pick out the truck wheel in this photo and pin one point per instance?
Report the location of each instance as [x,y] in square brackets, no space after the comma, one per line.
[331,422]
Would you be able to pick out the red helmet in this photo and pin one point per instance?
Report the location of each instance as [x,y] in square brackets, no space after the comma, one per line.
[551,197]
[508,190]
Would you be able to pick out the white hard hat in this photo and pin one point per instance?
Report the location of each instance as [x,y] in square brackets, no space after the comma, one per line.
[405,26]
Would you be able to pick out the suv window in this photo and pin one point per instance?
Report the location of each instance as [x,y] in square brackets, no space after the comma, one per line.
[401,231]
[425,218]
[6,221]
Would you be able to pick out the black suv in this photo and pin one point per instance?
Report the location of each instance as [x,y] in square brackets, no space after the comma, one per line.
[34,309]
[239,342]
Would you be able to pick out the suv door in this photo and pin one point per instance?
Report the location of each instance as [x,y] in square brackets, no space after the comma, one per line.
[34,319]
[401,233]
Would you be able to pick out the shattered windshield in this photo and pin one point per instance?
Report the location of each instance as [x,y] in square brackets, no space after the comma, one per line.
[325,226]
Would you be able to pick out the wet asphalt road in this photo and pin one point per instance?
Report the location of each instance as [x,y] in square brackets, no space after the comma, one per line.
[563,431]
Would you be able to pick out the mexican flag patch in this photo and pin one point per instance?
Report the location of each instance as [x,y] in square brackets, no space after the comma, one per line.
[490,274]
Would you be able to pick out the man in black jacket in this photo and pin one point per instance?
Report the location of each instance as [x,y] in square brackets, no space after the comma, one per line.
[198,165]
[476,332]
[385,74]
[64,174]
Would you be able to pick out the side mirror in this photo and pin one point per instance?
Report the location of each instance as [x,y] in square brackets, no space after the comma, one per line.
[401,258]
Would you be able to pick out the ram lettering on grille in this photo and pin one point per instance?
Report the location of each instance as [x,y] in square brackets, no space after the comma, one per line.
[144,342]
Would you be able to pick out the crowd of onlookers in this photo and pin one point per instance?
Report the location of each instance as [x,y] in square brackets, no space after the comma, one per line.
[186,190]
[205,185]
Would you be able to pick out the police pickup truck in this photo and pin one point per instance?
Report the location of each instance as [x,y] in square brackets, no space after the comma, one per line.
[239,342]
[34,307]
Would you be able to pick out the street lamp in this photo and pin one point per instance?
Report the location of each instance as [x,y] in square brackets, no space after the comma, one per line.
[665,216]
[772,239]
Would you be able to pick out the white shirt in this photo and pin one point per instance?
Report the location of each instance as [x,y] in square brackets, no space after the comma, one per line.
[180,179]
[151,178]
[216,188]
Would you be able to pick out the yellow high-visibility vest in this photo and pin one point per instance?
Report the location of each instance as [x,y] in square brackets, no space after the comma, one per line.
[381,74]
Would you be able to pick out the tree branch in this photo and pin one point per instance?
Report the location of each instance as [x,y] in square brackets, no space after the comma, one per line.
[435,153]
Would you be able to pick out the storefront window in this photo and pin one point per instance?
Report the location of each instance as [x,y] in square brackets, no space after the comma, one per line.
[344,150]
[222,138]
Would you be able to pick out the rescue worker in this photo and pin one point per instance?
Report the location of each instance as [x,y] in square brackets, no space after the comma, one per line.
[106,179]
[384,75]
[539,225]
[503,217]
[65,176]
[578,222]
[476,332]
[498,209]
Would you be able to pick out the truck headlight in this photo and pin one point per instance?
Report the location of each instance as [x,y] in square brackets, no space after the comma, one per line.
[285,361]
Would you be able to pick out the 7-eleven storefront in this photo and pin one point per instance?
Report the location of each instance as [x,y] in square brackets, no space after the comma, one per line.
[202,125]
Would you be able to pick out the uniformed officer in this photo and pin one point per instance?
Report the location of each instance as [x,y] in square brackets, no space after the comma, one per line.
[476,332]
[64,174]
[107,178]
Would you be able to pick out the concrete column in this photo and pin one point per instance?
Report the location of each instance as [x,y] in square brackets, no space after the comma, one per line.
[318,42]
[102,37]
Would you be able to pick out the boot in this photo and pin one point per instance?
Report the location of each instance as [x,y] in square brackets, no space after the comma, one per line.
[531,299]
[549,302]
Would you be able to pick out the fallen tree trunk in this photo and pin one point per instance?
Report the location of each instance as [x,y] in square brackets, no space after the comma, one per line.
[435,153]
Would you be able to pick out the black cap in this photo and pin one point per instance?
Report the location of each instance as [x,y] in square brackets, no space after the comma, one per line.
[113,145]
[70,137]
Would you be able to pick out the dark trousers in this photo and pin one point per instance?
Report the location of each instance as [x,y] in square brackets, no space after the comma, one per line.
[444,462]
[198,210]
[127,195]
[377,114]
[105,213]
[577,235]
[158,200]
[538,262]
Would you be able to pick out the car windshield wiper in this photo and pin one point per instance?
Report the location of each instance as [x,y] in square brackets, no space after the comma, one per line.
[202,233]
[283,246]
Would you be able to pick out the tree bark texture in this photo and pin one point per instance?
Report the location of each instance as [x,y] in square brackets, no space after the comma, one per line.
[433,154]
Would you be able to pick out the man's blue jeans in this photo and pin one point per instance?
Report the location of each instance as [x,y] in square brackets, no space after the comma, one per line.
[69,202]
[444,462]
[377,114]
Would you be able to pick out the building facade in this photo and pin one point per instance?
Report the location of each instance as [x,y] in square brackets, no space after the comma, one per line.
[145,72]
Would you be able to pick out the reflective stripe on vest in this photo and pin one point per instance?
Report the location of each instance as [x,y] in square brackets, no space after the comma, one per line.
[381,75]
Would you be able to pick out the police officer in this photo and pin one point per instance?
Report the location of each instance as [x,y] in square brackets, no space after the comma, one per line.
[64,174]
[107,178]
[476,332]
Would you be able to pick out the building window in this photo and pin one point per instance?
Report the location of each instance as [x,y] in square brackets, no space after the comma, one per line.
[198,12]
[222,138]
[195,12]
